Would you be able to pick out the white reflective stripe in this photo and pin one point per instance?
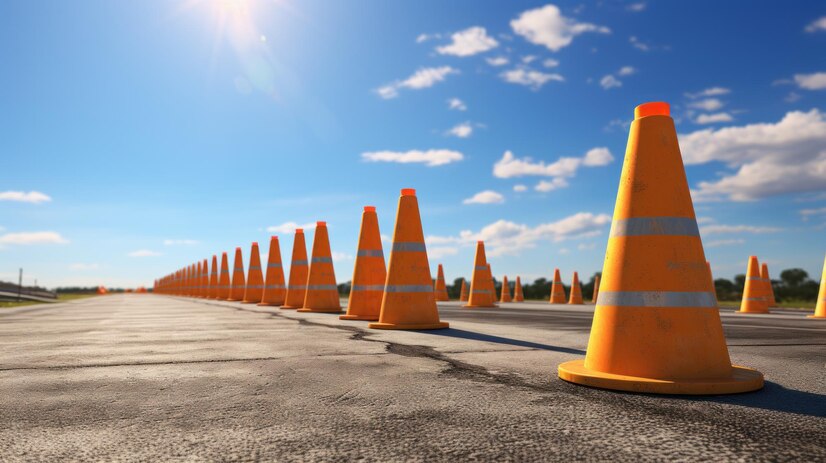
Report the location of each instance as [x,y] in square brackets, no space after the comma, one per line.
[409,247]
[239,269]
[367,288]
[299,262]
[322,288]
[481,267]
[408,289]
[274,286]
[370,253]
[255,286]
[322,260]
[656,299]
[645,226]
[274,265]
[255,267]
[297,287]
[754,278]
[755,298]
[480,291]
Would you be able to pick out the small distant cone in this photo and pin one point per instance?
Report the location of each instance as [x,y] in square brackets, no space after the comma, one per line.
[820,308]
[557,290]
[596,289]
[255,279]
[768,289]
[213,279]
[369,271]
[408,302]
[236,291]
[711,279]
[196,280]
[204,292]
[506,290]
[441,287]
[480,295]
[517,291]
[275,291]
[224,285]
[754,292]
[187,289]
[576,291]
[463,293]
[102,290]
[322,292]
[297,287]
[656,327]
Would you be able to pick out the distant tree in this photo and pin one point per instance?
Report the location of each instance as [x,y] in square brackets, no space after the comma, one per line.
[793,277]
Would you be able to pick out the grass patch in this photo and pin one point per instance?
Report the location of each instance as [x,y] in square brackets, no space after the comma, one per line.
[60,298]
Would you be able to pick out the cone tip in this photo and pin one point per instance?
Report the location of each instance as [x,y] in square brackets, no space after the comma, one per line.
[369,208]
[255,243]
[652,108]
[408,192]
[299,230]
[238,248]
[274,238]
[321,223]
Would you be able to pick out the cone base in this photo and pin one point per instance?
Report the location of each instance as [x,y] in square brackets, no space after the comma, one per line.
[815,316]
[742,379]
[468,306]
[233,300]
[752,311]
[402,326]
[368,318]
[332,310]
[250,302]
[269,304]
[290,307]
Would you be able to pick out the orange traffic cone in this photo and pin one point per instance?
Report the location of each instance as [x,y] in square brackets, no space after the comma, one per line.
[517,291]
[440,287]
[224,285]
[754,295]
[236,291]
[557,290]
[576,291]
[204,293]
[213,279]
[820,308]
[322,292]
[408,302]
[102,290]
[255,279]
[463,293]
[275,291]
[187,290]
[506,290]
[711,279]
[480,295]
[768,288]
[656,327]
[297,287]
[596,289]
[491,286]
[369,272]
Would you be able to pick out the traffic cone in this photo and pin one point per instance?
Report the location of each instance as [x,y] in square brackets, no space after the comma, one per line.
[204,293]
[297,287]
[491,287]
[711,278]
[576,291]
[223,279]
[255,279]
[322,292]
[369,271]
[275,290]
[102,291]
[480,295]
[656,327]
[557,290]
[440,287]
[596,289]
[506,290]
[213,279]
[754,294]
[767,282]
[517,291]
[408,302]
[236,291]
[820,308]
[463,293]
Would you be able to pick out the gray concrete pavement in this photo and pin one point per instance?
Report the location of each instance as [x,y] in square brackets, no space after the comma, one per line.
[143,377]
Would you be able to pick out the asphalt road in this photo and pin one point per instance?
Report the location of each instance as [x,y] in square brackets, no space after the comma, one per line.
[152,378]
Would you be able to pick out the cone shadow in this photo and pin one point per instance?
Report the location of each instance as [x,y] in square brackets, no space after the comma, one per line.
[775,397]
[471,335]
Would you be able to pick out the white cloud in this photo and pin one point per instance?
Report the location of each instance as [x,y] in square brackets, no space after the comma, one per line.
[597,157]
[530,77]
[485,197]
[627,71]
[788,156]
[546,26]
[563,168]
[340,256]
[528,59]
[462,130]
[288,228]
[639,45]
[719,228]
[43,237]
[468,42]
[431,158]
[717,243]
[713,118]
[586,246]
[817,25]
[423,78]
[457,104]
[711,91]
[425,37]
[520,188]
[497,61]
[609,81]
[438,252]
[636,7]
[144,253]
[550,63]
[33,197]
[79,267]
[806,213]
[707,104]
[180,242]
[545,186]
[816,81]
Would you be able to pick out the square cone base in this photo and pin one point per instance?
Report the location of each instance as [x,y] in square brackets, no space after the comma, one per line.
[395,326]
[368,318]
[814,316]
[468,306]
[742,379]
[250,302]
[289,307]
[752,312]
[268,304]
[305,309]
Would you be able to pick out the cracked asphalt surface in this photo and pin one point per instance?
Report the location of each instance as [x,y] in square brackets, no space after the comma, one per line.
[153,378]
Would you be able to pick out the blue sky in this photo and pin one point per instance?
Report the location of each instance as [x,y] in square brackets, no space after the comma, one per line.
[138,137]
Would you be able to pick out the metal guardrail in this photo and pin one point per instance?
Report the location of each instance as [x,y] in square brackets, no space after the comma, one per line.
[9,291]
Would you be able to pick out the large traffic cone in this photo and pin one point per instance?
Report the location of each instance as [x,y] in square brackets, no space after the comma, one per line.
[297,286]
[767,282]
[322,292]
[224,284]
[204,293]
[463,292]
[213,279]
[255,279]
[754,294]
[506,290]
[517,291]
[408,302]
[236,291]
[441,287]
[480,295]
[711,281]
[369,271]
[656,327]
[576,291]
[557,290]
[596,289]
[820,308]
[275,291]
[491,286]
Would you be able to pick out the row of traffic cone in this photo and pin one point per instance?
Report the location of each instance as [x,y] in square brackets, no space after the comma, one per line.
[758,293]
